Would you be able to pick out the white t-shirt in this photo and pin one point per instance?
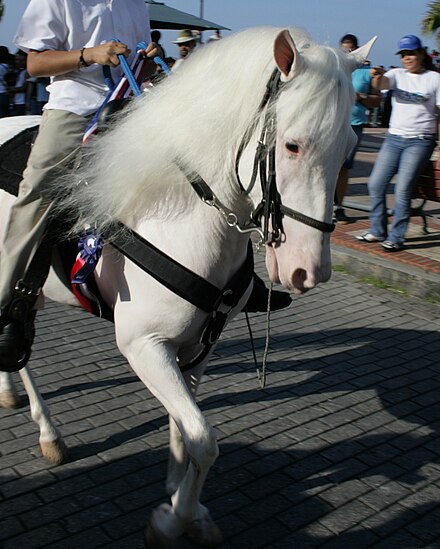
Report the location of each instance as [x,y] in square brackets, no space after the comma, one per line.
[414,101]
[64,25]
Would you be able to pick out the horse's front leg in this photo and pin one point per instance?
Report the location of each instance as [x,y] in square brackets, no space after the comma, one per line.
[155,364]
[52,444]
[9,398]
[178,457]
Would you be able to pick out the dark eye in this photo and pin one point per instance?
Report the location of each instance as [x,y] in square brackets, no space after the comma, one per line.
[292,148]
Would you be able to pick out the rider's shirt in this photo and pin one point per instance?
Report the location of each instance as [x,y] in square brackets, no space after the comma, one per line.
[64,25]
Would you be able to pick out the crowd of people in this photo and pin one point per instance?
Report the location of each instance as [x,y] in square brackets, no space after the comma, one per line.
[20,94]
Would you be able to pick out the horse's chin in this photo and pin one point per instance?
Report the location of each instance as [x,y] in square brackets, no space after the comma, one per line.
[299,291]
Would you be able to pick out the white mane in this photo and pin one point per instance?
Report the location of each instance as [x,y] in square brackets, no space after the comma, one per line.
[199,115]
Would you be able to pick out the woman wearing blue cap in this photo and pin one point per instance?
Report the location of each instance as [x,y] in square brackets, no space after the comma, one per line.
[409,143]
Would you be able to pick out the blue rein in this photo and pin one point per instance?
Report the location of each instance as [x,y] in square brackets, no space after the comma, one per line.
[128,73]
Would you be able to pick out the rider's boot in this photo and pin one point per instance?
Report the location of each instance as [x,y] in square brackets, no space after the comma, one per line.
[257,302]
[17,329]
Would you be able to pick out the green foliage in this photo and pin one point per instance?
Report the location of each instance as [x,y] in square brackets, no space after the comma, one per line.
[2,9]
[431,21]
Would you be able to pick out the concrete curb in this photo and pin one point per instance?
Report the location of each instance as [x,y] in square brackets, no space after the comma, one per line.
[417,282]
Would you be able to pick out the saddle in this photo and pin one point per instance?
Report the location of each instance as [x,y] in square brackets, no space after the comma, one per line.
[13,159]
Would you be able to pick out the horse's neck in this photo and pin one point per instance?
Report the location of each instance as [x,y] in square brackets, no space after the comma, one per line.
[200,240]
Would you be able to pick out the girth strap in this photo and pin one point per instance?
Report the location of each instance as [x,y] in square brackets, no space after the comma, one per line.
[179,279]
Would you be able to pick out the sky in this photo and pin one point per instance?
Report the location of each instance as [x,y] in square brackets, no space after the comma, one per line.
[325,20]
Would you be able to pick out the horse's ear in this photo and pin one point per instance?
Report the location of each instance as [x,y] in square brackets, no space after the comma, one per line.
[358,56]
[286,55]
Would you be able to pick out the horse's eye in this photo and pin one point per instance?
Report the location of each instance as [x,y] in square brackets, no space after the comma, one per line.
[292,148]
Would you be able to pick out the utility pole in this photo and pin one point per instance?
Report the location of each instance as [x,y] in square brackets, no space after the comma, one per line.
[201,17]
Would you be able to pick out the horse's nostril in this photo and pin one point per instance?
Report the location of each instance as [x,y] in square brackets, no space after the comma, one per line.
[299,277]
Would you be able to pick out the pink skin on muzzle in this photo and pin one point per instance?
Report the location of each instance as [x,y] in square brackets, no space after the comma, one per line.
[301,274]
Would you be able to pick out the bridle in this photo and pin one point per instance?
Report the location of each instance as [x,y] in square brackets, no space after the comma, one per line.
[270,208]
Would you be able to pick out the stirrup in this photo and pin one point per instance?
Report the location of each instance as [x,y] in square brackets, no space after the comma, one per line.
[17,328]
[22,303]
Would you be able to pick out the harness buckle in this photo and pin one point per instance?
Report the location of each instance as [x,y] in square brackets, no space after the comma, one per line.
[275,236]
[22,303]
[214,328]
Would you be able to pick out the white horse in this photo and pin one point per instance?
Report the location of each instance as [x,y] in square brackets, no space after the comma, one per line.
[195,123]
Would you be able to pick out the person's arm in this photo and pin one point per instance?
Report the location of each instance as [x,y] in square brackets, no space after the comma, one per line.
[370,100]
[378,80]
[54,63]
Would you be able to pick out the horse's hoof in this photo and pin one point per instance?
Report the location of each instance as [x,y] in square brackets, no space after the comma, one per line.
[204,532]
[55,452]
[10,399]
[162,529]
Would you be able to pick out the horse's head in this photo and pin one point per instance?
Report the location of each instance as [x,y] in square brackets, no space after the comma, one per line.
[198,118]
[313,136]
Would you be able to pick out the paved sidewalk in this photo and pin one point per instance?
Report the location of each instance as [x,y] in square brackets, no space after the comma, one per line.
[341,449]
[417,268]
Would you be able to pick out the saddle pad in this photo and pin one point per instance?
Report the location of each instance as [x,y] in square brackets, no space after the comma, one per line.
[14,154]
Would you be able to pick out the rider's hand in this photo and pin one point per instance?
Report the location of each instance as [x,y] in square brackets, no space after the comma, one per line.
[106,54]
[151,50]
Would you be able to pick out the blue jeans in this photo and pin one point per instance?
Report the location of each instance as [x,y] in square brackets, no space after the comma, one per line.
[407,158]
[358,130]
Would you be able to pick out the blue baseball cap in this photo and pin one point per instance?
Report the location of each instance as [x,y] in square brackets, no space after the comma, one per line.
[409,42]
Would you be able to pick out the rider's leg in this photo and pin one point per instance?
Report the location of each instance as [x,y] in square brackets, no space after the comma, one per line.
[59,136]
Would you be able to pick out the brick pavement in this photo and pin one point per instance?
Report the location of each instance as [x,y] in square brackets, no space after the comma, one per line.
[341,449]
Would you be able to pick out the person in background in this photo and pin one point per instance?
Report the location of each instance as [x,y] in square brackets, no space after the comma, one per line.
[5,67]
[69,41]
[19,92]
[38,95]
[155,37]
[170,62]
[214,37]
[410,141]
[366,98]
[186,42]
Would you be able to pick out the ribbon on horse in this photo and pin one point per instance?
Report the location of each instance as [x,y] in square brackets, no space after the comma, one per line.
[90,247]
